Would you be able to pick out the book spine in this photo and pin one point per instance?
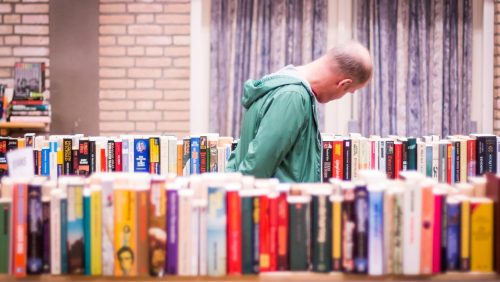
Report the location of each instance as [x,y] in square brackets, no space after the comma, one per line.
[20,228]
[111,156]
[480,155]
[234,263]
[154,155]
[126,152]
[282,263]
[141,155]
[46,162]
[157,228]
[52,165]
[92,157]
[463,161]
[125,232]
[273,233]
[185,233]
[180,171]
[67,156]
[83,158]
[382,166]
[388,227]
[108,228]
[449,164]
[103,158]
[172,232]
[389,159]
[491,154]
[453,235]
[118,156]
[142,223]
[355,156]
[264,240]
[336,236]
[256,234]
[457,163]
[404,156]
[326,162]
[338,160]
[465,235]
[216,235]
[361,234]
[186,154]
[443,163]
[55,234]
[194,147]
[349,229]
[35,230]
[74,159]
[75,240]
[398,158]
[298,258]
[213,156]
[428,161]
[412,154]
[5,236]
[87,225]
[436,241]
[202,251]
[196,238]
[376,232]
[247,235]
[321,233]
[172,155]
[347,160]
[482,237]
[398,235]
[427,230]
[96,232]
[436,151]
[412,211]
[64,234]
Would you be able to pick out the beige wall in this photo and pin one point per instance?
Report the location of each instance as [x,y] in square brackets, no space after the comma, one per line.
[144,64]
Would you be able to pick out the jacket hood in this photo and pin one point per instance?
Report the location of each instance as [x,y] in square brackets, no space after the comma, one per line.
[255,89]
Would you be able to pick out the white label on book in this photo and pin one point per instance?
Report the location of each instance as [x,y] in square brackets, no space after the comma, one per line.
[21,163]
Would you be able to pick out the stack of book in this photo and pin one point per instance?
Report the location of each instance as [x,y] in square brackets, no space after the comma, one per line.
[216,224]
[29,103]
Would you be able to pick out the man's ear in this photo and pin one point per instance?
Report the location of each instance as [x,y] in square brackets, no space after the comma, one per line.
[345,84]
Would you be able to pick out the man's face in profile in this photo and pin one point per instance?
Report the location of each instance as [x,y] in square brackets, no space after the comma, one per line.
[126,261]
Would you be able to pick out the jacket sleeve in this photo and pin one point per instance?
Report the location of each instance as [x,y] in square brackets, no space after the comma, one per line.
[231,163]
[280,125]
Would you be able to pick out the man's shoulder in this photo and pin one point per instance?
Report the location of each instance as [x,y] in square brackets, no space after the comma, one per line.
[293,91]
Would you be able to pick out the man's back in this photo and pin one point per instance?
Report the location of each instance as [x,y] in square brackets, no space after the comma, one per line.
[279,136]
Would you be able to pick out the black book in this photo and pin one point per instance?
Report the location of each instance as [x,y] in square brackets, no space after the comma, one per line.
[111,155]
[326,159]
[486,154]
[46,235]
[247,235]
[457,161]
[11,144]
[361,234]
[298,236]
[321,233]
[347,159]
[404,154]
[389,159]
[84,157]
[412,153]
[349,230]
[92,156]
[67,156]
[34,263]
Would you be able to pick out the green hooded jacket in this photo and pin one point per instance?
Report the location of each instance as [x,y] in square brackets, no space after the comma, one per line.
[279,134]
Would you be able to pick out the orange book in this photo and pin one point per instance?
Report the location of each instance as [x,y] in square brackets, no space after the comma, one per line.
[179,158]
[20,234]
[426,243]
[448,172]
[142,206]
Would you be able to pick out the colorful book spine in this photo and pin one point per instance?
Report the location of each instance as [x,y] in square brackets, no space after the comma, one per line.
[20,233]
[453,234]
[46,161]
[234,235]
[141,155]
[186,156]
[194,147]
[52,160]
[216,228]
[118,155]
[157,227]
[376,229]
[108,226]
[398,234]
[282,247]
[264,239]
[55,232]
[154,155]
[64,232]
[67,156]
[326,158]
[126,153]
[336,202]
[125,237]
[465,234]
[172,155]
[361,233]
[398,158]
[389,159]
[349,228]
[471,157]
[75,226]
[141,183]
[172,229]
[412,154]
[35,230]
[87,232]
[427,228]
[84,158]
[111,156]
[180,170]
[321,230]
[213,156]
[5,234]
[347,159]
[46,225]
[298,207]
[338,160]
[481,235]
[96,229]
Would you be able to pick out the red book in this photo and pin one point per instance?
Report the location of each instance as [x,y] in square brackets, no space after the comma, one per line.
[372,162]
[426,256]
[264,240]
[338,159]
[471,157]
[233,232]
[439,198]
[398,161]
[118,156]
[448,166]
[27,102]
[142,218]
[19,233]
[103,160]
[273,232]
[282,232]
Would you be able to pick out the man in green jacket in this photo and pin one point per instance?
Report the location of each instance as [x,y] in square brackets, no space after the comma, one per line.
[279,133]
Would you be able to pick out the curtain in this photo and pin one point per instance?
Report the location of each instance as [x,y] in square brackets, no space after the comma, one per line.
[422,58]
[251,38]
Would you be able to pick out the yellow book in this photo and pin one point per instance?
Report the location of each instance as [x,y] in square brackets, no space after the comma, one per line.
[179,159]
[125,239]
[96,230]
[465,234]
[154,150]
[60,158]
[481,235]
[21,143]
[336,232]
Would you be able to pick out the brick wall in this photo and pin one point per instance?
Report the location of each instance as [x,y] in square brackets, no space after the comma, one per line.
[24,36]
[144,64]
[496,82]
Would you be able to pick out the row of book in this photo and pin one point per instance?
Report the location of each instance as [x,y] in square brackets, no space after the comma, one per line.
[449,160]
[216,224]
[60,155]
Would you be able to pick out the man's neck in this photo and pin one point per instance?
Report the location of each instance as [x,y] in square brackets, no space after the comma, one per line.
[313,76]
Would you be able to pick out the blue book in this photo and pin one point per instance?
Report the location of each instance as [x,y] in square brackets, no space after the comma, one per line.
[64,235]
[45,161]
[428,160]
[86,235]
[453,235]
[216,231]
[361,233]
[35,229]
[141,155]
[376,230]
[195,154]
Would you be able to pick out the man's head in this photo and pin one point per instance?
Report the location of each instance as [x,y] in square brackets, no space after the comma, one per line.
[343,69]
[126,258]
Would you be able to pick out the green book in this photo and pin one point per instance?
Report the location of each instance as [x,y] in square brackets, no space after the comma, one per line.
[412,153]
[247,235]
[298,235]
[321,231]
[5,226]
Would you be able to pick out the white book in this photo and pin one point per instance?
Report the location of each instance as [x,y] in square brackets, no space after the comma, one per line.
[355,158]
[463,160]
[421,157]
[108,231]
[364,153]
[435,160]
[125,153]
[221,159]
[172,154]
[381,156]
[195,237]
[376,228]
[412,221]
[185,233]
[55,232]
[164,151]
